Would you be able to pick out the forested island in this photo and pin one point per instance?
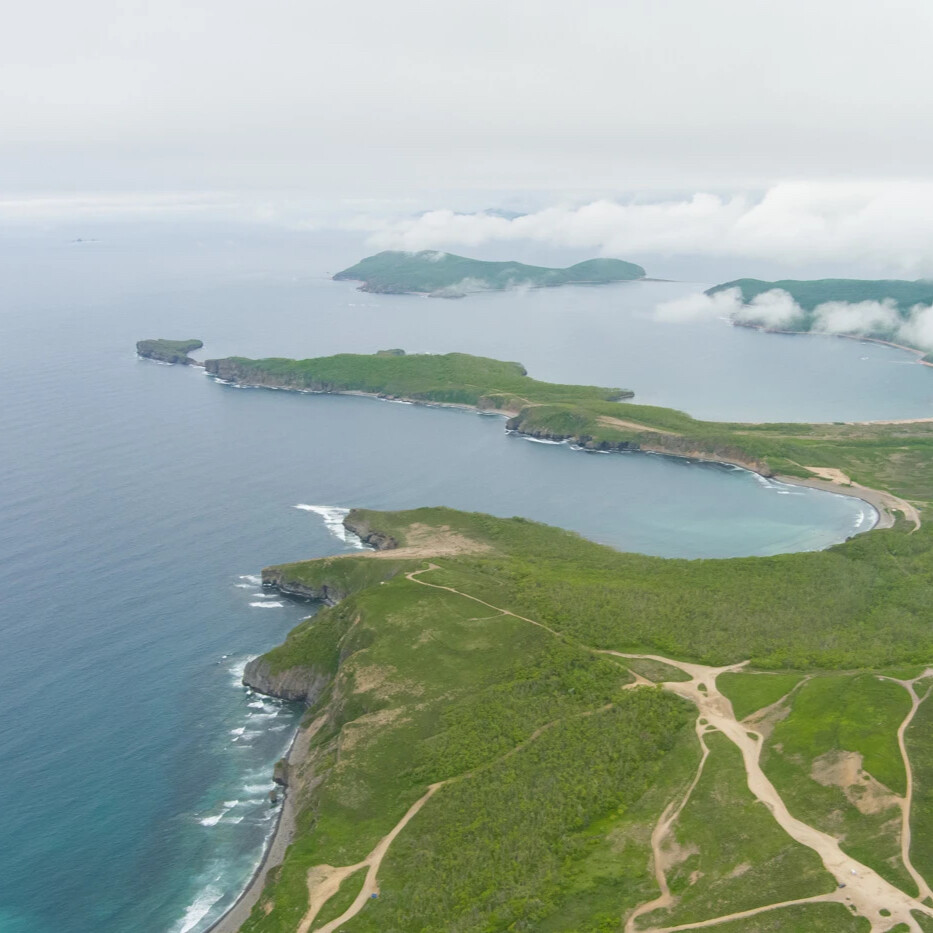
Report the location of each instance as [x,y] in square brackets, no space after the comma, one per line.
[445,275]
[873,309]
[169,351]
[512,728]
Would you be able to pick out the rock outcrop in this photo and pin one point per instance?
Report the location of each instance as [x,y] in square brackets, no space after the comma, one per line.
[374,538]
[326,593]
[301,684]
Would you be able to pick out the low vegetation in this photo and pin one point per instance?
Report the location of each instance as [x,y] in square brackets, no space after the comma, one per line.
[168,351]
[554,769]
[894,457]
[448,276]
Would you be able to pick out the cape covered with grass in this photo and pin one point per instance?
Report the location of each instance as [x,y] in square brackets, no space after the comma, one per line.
[445,275]
[600,418]
[487,749]
[511,728]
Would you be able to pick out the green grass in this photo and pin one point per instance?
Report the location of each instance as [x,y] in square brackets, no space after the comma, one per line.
[452,378]
[919,741]
[340,901]
[898,458]
[431,685]
[657,671]
[753,864]
[502,849]
[844,713]
[857,713]
[809,918]
[749,692]
[453,276]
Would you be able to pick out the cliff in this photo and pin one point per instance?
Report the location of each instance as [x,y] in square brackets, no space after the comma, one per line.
[303,684]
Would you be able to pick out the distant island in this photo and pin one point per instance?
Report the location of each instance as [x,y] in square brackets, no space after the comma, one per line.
[899,295]
[444,275]
[169,351]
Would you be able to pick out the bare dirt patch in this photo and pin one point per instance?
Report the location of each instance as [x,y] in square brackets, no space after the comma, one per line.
[433,541]
[844,769]
[608,421]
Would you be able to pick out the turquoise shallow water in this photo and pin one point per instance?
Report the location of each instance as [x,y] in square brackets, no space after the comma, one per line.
[137,502]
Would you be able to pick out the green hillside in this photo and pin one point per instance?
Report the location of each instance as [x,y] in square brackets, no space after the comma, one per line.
[446,275]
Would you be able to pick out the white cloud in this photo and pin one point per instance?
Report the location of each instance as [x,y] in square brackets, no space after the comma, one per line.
[883,224]
[776,309]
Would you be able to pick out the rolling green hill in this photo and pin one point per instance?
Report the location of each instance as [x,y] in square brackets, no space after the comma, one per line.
[808,293]
[446,275]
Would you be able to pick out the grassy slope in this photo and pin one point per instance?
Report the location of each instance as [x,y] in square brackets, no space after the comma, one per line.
[898,458]
[854,713]
[754,864]
[750,692]
[432,685]
[429,271]
[808,293]
[920,748]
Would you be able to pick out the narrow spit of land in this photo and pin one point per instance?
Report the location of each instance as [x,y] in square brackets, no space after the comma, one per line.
[860,889]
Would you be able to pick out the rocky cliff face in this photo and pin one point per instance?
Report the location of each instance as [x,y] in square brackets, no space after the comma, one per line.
[325,593]
[234,370]
[303,684]
[376,539]
[670,444]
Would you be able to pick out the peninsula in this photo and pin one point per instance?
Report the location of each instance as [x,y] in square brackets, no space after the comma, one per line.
[858,458]
[510,727]
[445,275]
[169,351]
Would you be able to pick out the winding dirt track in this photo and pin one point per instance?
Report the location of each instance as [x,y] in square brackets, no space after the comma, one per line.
[861,889]
[866,891]
[907,801]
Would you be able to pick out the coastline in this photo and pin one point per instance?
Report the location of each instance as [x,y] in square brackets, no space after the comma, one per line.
[276,846]
[883,503]
[920,354]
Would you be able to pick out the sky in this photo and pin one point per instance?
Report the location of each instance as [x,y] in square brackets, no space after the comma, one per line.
[278,111]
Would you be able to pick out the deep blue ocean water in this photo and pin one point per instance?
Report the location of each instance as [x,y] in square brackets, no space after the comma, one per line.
[139,501]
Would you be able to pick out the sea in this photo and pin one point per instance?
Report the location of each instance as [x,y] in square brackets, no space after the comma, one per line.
[139,502]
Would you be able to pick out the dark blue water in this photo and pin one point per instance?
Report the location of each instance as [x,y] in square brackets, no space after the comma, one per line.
[136,500]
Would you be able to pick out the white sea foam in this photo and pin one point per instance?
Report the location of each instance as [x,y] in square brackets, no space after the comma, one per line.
[236,670]
[542,440]
[199,908]
[257,705]
[267,604]
[251,579]
[333,516]
[244,586]
[239,731]
[263,595]
[217,817]
[257,789]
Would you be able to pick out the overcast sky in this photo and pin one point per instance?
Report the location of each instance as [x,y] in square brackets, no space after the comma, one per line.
[375,98]
[761,125]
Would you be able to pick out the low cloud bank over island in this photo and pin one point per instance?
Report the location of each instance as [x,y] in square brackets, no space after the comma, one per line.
[777,309]
[885,224]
